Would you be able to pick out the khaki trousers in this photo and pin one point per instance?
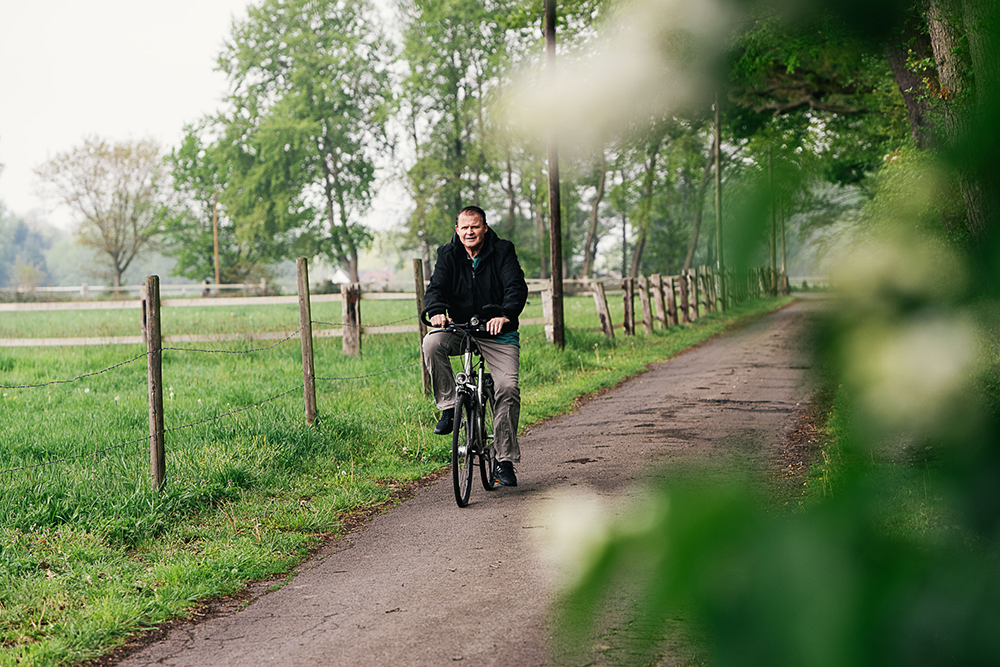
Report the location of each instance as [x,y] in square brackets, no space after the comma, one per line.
[502,360]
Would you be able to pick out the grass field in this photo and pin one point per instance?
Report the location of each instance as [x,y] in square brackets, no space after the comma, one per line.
[89,553]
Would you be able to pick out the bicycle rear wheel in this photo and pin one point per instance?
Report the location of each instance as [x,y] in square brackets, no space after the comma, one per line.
[487,460]
[462,441]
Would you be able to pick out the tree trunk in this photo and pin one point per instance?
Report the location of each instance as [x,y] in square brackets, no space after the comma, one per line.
[943,23]
[982,24]
[646,206]
[590,245]
[912,85]
[699,206]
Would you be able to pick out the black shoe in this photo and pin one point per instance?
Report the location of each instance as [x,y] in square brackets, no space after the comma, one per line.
[505,474]
[446,422]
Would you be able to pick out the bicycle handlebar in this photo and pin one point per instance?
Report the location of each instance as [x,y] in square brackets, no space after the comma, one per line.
[475,324]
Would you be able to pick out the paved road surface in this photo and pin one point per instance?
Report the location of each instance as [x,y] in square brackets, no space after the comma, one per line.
[431,584]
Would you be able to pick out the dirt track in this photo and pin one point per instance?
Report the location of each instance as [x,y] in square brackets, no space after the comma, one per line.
[430,584]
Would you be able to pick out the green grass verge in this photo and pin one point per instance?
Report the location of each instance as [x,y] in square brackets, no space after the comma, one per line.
[897,479]
[89,554]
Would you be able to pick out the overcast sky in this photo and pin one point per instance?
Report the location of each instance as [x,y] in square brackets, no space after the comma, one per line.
[119,69]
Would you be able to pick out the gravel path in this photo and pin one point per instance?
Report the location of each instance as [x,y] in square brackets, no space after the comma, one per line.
[430,584]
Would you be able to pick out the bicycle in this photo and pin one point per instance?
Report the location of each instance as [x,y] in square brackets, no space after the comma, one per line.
[475,403]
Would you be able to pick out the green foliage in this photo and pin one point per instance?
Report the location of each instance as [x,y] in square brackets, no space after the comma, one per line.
[891,557]
[189,235]
[292,160]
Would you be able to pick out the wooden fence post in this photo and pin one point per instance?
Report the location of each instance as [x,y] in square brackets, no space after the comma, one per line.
[710,289]
[671,302]
[628,295]
[154,365]
[661,306]
[683,308]
[647,311]
[601,301]
[691,280]
[350,296]
[547,315]
[723,290]
[305,336]
[418,283]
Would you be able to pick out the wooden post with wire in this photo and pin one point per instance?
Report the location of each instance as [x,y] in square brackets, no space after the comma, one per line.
[418,284]
[684,307]
[601,302]
[691,280]
[547,315]
[154,364]
[671,301]
[628,295]
[661,306]
[647,310]
[305,335]
[350,296]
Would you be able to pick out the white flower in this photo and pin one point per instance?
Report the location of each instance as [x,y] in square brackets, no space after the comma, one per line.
[87,390]
[116,398]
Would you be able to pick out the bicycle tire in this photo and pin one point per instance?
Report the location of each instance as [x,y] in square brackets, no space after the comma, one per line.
[487,460]
[462,445]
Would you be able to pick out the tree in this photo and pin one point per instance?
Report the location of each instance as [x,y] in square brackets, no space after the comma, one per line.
[199,168]
[119,190]
[21,245]
[310,95]
[453,70]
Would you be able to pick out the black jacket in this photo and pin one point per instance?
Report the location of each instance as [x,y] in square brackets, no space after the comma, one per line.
[462,293]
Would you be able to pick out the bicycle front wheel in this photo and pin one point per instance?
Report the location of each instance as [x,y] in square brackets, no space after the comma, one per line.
[462,441]
[487,457]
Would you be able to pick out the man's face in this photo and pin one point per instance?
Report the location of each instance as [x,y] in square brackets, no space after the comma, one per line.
[471,231]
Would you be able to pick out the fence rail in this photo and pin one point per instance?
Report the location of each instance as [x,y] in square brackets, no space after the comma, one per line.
[677,300]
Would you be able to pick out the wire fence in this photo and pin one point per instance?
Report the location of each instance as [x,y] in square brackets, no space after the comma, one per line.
[169,349]
[682,308]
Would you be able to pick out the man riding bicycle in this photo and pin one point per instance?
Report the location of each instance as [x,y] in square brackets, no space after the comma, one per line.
[478,268]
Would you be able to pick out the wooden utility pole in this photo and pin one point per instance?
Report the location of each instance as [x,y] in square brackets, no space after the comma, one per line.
[154,364]
[773,282]
[305,335]
[215,234]
[720,259]
[784,257]
[555,207]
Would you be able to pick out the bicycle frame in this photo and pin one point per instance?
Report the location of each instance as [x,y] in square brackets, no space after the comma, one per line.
[474,389]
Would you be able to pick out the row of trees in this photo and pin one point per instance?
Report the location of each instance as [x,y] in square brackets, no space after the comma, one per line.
[323,105]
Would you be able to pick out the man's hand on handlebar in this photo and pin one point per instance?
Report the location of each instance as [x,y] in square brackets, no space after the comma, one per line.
[494,325]
[440,320]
